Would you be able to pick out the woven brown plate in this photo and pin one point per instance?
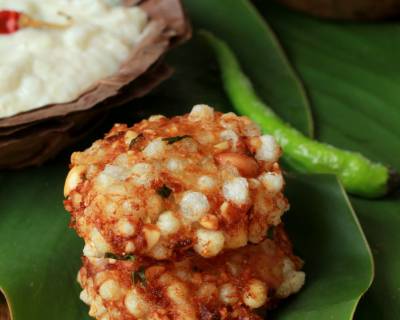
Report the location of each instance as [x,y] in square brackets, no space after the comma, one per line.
[33,137]
[347,9]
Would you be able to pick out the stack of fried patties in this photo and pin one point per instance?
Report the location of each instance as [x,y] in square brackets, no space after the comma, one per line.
[181,219]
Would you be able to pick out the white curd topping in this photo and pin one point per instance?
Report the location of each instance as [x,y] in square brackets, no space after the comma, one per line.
[42,66]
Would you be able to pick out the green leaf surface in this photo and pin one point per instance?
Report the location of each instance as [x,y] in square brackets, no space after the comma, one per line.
[327,235]
[238,23]
[40,256]
[352,74]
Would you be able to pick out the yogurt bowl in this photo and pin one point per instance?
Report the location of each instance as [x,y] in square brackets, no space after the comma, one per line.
[108,54]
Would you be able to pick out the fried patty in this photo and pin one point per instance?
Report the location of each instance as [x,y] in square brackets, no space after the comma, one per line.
[230,286]
[205,181]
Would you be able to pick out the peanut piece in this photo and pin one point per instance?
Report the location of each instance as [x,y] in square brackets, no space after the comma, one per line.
[247,166]
[209,221]
[73,179]
[152,235]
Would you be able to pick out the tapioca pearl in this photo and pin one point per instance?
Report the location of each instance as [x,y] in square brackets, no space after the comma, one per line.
[201,112]
[155,149]
[168,223]
[116,172]
[100,277]
[97,307]
[257,233]
[236,190]
[156,118]
[103,181]
[228,293]
[125,227]
[89,250]
[177,292]
[143,174]
[194,205]
[268,150]
[126,206]
[249,128]
[110,290]
[272,181]
[106,317]
[117,189]
[231,136]
[237,238]
[190,145]
[209,242]
[206,183]
[85,297]
[229,121]
[121,161]
[255,294]
[179,296]
[92,171]
[130,247]
[175,165]
[205,137]
[293,279]
[136,304]
[110,208]
[282,203]
[160,251]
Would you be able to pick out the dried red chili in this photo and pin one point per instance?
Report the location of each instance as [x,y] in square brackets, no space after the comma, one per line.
[11,21]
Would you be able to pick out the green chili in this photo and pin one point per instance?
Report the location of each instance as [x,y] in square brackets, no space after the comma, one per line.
[358,174]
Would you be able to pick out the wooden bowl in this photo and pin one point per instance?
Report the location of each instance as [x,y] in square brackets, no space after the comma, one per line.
[347,9]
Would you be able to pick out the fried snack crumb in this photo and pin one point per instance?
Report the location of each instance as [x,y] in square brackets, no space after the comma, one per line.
[205,181]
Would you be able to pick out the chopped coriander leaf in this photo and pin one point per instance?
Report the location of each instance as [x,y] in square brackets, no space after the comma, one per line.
[139,276]
[172,140]
[135,140]
[271,232]
[126,257]
[164,191]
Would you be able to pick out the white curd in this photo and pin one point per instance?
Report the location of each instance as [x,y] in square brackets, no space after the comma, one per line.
[42,66]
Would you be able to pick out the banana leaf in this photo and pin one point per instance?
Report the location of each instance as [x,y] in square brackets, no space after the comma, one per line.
[337,246]
[39,255]
[352,74]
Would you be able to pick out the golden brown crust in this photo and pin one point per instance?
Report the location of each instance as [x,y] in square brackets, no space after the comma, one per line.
[229,286]
[160,188]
